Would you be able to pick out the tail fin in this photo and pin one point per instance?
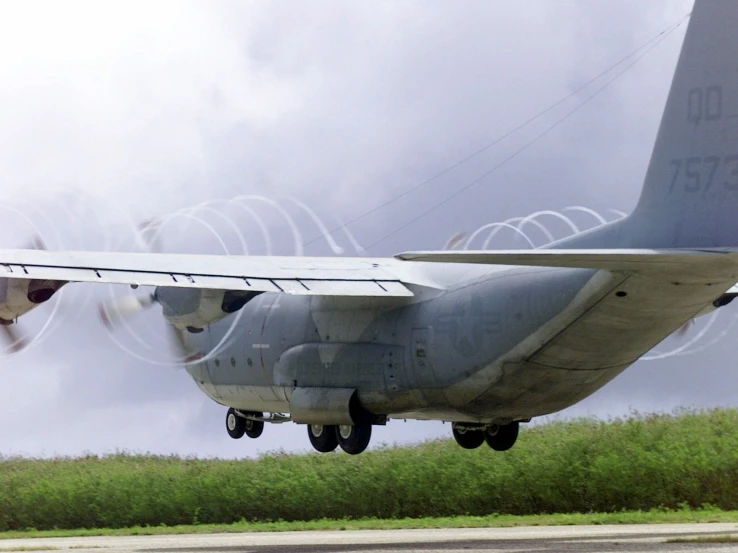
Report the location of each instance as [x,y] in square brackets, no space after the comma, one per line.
[690,195]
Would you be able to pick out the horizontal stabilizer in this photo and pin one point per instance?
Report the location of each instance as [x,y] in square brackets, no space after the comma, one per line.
[717,262]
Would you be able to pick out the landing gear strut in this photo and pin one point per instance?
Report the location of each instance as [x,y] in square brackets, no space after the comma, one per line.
[238,424]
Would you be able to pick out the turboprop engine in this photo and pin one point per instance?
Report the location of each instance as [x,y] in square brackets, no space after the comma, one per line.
[18,296]
[193,309]
[188,309]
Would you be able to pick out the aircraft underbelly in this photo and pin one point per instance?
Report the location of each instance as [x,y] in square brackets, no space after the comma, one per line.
[624,325]
[267,399]
[589,351]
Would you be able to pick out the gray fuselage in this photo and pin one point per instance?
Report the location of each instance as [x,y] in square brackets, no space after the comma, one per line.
[503,345]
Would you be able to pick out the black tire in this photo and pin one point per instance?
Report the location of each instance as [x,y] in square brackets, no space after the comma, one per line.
[323,438]
[502,437]
[354,439]
[253,428]
[235,424]
[468,438]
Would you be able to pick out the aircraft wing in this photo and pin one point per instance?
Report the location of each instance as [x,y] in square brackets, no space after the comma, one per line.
[293,275]
[339,276]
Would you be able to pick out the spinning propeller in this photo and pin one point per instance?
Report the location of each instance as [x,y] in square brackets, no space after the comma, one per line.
[117,312]
[14,340]
[114,312]
[19,296]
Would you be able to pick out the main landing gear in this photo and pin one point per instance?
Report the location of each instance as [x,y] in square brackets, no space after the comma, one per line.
[499,437]
[323,437]
[353,439]
[239,423]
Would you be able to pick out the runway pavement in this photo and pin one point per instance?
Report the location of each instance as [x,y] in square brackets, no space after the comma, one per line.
[580,539]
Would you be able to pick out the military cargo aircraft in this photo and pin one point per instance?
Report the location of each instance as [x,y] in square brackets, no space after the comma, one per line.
[482,339]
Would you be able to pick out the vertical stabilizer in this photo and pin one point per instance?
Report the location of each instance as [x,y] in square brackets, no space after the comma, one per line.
[690,195]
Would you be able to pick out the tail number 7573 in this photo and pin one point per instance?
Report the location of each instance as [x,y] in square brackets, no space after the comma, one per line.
[700,174]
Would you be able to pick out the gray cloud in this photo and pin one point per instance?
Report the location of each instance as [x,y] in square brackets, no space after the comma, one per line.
[146,109]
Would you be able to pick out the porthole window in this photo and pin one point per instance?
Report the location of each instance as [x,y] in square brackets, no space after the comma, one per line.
[233,361]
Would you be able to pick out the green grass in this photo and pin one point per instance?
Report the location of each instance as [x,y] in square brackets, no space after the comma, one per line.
[654,467]
[656,516]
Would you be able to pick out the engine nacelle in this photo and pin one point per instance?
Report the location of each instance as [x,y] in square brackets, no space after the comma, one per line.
[18,296]
[193,309]
[40,291]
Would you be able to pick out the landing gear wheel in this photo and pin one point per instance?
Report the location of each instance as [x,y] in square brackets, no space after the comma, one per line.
[254,428]
[323,438]
[235,424]
[354,439]
[468,438]
[502,437]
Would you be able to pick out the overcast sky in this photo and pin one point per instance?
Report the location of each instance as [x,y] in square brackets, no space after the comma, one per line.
[138,109]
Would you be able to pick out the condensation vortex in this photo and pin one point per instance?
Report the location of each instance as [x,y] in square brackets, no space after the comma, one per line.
[536,230]
[517,224]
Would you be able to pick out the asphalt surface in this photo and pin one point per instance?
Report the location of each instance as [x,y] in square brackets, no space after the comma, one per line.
[579,539]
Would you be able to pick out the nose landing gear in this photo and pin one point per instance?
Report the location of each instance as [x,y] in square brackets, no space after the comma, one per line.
[238,424]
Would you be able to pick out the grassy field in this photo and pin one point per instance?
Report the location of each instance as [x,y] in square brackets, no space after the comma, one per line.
[655,467]
[655,516]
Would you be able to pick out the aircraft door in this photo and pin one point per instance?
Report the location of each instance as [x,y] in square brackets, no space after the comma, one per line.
[420,352]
